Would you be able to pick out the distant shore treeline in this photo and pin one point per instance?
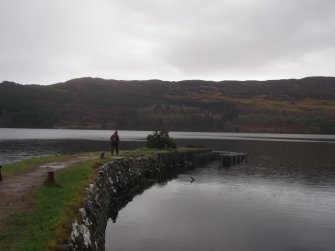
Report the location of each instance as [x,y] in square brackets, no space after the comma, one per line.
[283,106]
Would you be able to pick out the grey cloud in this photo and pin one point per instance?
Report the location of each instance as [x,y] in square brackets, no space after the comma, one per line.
[51,41]
[253,39]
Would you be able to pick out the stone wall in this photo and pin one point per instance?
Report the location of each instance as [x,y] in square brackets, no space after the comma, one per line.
[116,183]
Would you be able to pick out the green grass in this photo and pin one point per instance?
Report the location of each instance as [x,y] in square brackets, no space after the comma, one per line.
[48,222]
[141,152]
[34,229]
[16,167]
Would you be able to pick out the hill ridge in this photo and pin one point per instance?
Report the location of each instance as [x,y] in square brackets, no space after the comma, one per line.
[304,105]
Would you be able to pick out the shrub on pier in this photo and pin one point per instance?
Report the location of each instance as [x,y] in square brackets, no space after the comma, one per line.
[160,140]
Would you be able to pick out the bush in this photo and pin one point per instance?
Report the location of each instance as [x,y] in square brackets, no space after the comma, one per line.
[160,140]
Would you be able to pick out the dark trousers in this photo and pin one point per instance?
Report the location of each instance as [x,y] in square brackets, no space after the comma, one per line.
[116,147]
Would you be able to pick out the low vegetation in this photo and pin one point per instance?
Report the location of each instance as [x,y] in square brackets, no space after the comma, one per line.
[16,167]
[160,140]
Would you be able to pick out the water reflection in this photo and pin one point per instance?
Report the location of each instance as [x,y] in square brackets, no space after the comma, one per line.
[283,199]
[225,211]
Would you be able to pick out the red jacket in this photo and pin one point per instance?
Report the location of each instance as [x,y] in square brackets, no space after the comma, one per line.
[115,138]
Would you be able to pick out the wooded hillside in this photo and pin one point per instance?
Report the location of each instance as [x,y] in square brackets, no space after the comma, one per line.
[288,106]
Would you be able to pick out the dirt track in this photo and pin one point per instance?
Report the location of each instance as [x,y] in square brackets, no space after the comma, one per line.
[15,189]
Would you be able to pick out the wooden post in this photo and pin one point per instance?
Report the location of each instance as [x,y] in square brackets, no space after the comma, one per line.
[0,174]
[51,177]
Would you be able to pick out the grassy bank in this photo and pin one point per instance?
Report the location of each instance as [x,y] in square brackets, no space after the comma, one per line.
[55,206]
[35,228]
[13,168]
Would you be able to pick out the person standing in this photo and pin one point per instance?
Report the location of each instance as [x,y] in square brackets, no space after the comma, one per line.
[115,143]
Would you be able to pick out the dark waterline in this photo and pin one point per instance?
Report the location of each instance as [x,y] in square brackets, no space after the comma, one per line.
[19,144]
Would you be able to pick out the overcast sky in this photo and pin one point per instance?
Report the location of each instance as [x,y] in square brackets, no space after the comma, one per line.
[50,41]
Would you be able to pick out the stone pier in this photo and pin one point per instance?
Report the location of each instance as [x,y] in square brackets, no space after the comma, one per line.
[116,183]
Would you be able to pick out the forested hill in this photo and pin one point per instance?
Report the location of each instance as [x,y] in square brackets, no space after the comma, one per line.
[287,106]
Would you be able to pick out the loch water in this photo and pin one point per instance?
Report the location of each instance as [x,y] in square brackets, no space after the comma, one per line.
[283,198]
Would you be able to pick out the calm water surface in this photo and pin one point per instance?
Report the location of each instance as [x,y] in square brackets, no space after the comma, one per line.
[283,199]
[19,134]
